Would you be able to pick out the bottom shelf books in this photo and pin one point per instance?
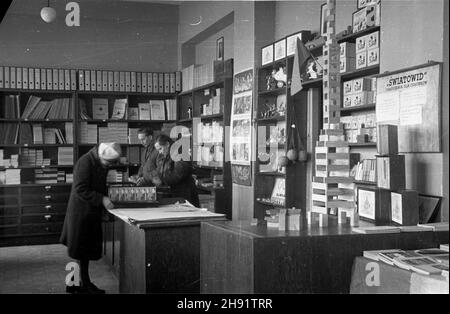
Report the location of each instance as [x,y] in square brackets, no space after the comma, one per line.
[426,262]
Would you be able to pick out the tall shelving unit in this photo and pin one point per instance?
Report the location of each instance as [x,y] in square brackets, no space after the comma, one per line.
[293,176]
[33,213]
[206,144]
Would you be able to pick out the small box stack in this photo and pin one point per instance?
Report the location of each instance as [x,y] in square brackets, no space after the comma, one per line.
[367,50]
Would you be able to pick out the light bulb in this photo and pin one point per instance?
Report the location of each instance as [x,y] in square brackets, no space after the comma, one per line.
[48,14]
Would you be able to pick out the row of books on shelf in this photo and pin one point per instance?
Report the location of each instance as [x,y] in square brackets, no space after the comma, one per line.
[129,81]
[365,170]
[13,133]
[58,108]
[152,110]
[39,176]
[195,76]
[38,78]
[430,261]
[211,132]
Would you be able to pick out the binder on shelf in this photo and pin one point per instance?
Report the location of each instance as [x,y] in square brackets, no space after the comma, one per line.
[6,77]
[105,81]
[93,81]
[37,78]
[66,79]
[172,82]
[122,81]
[127,81]
[30,78]
[139,82]
[133,82]
[160,82]
[2,84]
[166,83]
[12,77]
[18,77]
[116,81]
[144,82]
[178,81]
[99,85]
[110,81]
[73,79]
[149,83]
[81,80]
[43,79]
[55,79]
[87,80]
[49,79]
[155,83]
[25,78]
[61,83]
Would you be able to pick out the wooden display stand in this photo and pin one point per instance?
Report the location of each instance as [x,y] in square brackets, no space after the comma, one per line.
[391,172]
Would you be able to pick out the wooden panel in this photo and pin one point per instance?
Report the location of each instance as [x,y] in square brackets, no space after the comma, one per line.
[172,256]
[226,261]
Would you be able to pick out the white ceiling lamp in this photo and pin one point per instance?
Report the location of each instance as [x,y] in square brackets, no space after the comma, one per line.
[48,14]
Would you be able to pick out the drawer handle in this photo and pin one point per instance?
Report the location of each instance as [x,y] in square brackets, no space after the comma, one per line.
[48,207]
[48,217]
[48,197]
[48,187]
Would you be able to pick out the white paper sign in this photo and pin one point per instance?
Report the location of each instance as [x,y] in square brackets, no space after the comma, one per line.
[387,107]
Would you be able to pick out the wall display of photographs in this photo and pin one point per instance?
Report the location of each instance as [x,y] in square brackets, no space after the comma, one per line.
[267,55]
[243,82]
[280,49]
[241,175]
[241,129]
[242,105]
[291,42]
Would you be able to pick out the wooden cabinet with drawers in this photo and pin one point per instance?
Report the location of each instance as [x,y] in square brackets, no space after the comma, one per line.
[32,213]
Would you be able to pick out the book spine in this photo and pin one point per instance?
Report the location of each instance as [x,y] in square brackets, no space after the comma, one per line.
[172,82]
[150,83]
[155,83]
[37,78]
[2,84]
[18,78]
[93,81]
[66,79]
[73,79]
[61,79]
[105,81]
[166,83]
[99,84]
[30,78]
[139,82]
[110,81]
[43,79]
[133,81]
[116,81]
[122,81]
[25,78]
[55,78]
[144,82]
[12,78]
[127,81]
[87,80]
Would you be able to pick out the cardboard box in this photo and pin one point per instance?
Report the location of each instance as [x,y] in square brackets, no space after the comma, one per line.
[348,88]
[361,60]
[361,44]
[391,172]
[387,143]
[347,101]
[372,40]
[405,208]
[347,65]
[362,84]
[373,56]
[362,98]
[348,50]
[374,205]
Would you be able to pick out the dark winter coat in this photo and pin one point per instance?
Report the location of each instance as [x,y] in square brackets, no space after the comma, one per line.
[82,230]
[178,176]
[147,170]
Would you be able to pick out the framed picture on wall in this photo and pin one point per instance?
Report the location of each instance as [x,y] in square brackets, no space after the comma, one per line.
[291,42]
[219,49]
[364,3]
[359,22]
[267,54]
[323,20]
[280,49]
[366,203]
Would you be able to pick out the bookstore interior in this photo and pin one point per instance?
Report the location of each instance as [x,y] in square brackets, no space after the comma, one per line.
[217,147]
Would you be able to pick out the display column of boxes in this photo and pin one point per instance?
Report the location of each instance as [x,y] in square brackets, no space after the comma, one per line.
[368,50]
[392,203]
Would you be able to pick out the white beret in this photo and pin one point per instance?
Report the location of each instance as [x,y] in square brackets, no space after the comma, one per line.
[109,151]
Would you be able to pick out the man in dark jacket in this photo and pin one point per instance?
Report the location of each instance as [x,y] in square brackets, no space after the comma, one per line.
[175,174]
[148,165]
[82,229]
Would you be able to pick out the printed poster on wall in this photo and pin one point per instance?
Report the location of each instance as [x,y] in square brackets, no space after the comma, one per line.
[241,128]
[411,99]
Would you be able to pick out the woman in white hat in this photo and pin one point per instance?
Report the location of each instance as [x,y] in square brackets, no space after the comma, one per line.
[82,230]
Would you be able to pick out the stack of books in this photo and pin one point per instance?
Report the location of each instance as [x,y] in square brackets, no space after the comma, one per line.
[46,176]
[365,170]
[114,132]
[12,176]
[11,107]
[65,156]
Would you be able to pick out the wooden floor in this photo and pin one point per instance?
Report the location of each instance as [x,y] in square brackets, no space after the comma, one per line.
[42,269]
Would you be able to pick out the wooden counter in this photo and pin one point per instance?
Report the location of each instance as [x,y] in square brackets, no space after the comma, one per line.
[239,258]
[159,255]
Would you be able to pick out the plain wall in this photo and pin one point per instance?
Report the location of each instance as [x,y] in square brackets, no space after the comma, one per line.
[205,52]
[113,35]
